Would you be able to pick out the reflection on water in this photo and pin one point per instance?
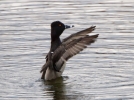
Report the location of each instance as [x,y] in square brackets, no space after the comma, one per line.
[56,89]
[59,90]
[104,71]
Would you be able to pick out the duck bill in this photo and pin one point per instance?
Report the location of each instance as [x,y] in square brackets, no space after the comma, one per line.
[68,26]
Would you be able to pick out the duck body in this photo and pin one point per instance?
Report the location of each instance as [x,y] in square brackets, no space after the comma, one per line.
[52,74]
[60,52]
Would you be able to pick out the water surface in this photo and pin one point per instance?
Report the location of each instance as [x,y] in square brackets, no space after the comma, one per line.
[104,71]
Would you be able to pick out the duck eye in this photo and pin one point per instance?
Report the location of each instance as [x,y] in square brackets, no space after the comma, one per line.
[59,24]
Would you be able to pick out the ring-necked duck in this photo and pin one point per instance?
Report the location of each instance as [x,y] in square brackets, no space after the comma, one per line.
[60,52]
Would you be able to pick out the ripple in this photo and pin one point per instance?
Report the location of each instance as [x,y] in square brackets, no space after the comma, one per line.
[104,71]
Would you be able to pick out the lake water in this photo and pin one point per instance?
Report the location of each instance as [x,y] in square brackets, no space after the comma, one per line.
[103,71]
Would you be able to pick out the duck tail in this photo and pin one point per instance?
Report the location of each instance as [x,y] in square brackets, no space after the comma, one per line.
[43,70]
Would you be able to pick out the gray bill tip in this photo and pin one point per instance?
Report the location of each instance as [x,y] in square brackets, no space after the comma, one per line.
[68,26]
[72,25]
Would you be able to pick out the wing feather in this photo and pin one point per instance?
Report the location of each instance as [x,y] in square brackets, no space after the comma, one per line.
[72,48]
[80,34]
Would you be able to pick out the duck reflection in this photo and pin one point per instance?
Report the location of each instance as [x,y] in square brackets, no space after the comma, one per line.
[59,90]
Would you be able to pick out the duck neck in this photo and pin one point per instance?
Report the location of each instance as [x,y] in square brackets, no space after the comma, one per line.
[55,43]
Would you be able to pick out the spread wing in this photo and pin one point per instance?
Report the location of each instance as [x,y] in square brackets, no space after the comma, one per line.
[69,49]
[79,34]
[70,46]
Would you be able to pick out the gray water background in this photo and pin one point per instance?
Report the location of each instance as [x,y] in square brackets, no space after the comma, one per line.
[103,71]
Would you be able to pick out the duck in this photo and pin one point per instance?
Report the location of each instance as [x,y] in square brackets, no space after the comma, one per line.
[61,51]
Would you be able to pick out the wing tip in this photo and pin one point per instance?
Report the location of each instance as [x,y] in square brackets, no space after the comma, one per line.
[97,35]
[94,36]
[93,26]
[90,29]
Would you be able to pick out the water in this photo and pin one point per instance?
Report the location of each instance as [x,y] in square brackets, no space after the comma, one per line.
[104,71]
